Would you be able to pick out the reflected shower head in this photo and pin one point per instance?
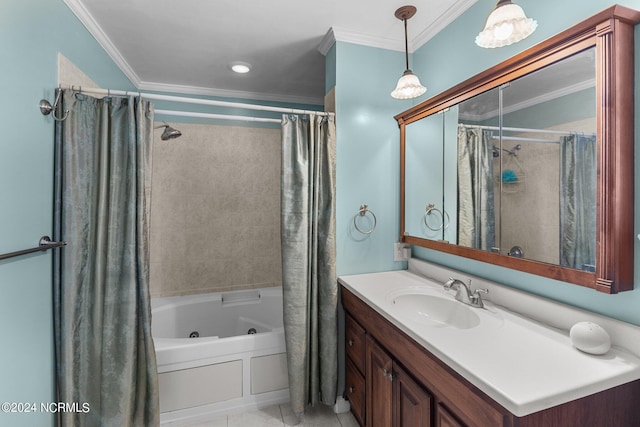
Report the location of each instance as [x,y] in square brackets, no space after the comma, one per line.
[169,132]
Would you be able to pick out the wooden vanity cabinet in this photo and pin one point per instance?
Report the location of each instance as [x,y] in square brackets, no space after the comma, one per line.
[378,379]
[379,357]
[392,381]
[381,393]
[412,403]
[355,368]
[393,398]
[445,419]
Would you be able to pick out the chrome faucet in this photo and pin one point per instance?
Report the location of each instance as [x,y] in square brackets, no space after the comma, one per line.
[464,294]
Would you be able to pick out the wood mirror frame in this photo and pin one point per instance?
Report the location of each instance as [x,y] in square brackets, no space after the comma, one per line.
[611,32]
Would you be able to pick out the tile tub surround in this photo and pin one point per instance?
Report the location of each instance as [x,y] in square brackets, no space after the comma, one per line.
[215,210]
[550,371]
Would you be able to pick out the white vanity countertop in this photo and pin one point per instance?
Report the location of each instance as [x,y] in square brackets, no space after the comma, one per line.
[524,365]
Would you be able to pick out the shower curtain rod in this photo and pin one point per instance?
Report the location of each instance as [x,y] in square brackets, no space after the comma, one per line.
[517,138]
[514,129]
[217,116]
[188,100]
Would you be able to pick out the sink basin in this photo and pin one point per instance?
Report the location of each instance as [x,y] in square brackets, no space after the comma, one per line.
[436,310]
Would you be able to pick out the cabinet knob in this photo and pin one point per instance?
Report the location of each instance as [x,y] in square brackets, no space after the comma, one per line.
[388,374]
[350,390]
[350,342]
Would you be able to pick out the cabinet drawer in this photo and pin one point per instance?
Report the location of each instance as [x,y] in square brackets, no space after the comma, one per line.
[354,343]
[355,391]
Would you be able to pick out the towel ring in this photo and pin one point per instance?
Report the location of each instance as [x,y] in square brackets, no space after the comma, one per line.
[432,208]
[362,212]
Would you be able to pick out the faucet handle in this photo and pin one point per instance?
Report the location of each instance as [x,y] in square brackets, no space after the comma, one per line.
[476,294]
[476,299]
[447,285]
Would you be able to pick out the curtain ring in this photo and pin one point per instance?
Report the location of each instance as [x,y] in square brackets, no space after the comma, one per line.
[362,212]
[432,208]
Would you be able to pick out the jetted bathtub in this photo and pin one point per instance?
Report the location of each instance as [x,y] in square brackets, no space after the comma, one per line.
[219,353]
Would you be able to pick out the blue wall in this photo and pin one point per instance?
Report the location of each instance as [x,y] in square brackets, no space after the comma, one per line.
[368,159]
[368,152]
[32,32]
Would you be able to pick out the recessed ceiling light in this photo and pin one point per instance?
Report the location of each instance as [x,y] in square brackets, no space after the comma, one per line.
[240,67]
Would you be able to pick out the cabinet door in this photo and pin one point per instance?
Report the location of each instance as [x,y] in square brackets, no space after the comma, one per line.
[411,403]
[445,419]
[378,381]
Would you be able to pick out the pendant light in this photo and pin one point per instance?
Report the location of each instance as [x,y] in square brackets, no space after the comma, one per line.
[507,24]
[409,85]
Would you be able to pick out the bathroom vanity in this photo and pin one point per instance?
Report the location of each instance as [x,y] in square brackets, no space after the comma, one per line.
[417,357]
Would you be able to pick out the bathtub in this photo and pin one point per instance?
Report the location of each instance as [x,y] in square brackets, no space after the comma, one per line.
[219,353]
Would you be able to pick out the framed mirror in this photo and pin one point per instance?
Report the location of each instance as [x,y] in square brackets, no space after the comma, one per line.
[529,165]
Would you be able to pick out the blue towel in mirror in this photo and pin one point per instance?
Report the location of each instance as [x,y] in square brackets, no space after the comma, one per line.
[508,175]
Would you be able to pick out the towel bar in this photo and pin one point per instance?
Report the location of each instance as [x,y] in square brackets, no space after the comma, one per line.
[44,244]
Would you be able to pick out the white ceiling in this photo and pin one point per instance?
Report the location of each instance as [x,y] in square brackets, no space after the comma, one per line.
[186,46]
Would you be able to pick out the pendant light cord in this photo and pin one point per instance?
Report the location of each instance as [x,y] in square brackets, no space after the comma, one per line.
[406,43]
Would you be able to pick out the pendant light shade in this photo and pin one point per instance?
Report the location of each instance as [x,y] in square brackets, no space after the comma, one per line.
[409,84]
[507,24]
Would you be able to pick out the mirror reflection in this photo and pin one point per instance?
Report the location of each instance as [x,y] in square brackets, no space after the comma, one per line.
[511,170]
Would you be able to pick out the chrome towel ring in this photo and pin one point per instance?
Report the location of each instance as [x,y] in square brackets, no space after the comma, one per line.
[432,208]
[362,212]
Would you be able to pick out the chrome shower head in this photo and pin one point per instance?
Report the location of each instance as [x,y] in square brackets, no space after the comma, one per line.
[169,132]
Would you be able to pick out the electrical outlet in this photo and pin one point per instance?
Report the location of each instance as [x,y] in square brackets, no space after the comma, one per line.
[401,251]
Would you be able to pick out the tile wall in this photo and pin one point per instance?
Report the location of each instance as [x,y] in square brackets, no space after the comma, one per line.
[215,210]
[529,211]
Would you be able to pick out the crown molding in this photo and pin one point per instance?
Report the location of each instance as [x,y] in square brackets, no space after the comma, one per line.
[205,91]
[327,41]
[568,90]
[336,34]
[447,17]
[96,31]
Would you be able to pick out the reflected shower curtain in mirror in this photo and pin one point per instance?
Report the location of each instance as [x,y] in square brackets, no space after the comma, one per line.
[309,281]
[577,202]
[102,319]
[476,210]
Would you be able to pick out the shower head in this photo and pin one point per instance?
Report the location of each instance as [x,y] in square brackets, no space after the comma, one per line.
[169,132]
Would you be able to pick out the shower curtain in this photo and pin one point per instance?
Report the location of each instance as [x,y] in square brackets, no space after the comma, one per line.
[476,210]
[309,281]
[105,356]
[577,202]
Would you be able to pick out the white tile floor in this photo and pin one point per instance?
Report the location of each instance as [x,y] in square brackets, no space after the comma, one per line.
[281,416]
